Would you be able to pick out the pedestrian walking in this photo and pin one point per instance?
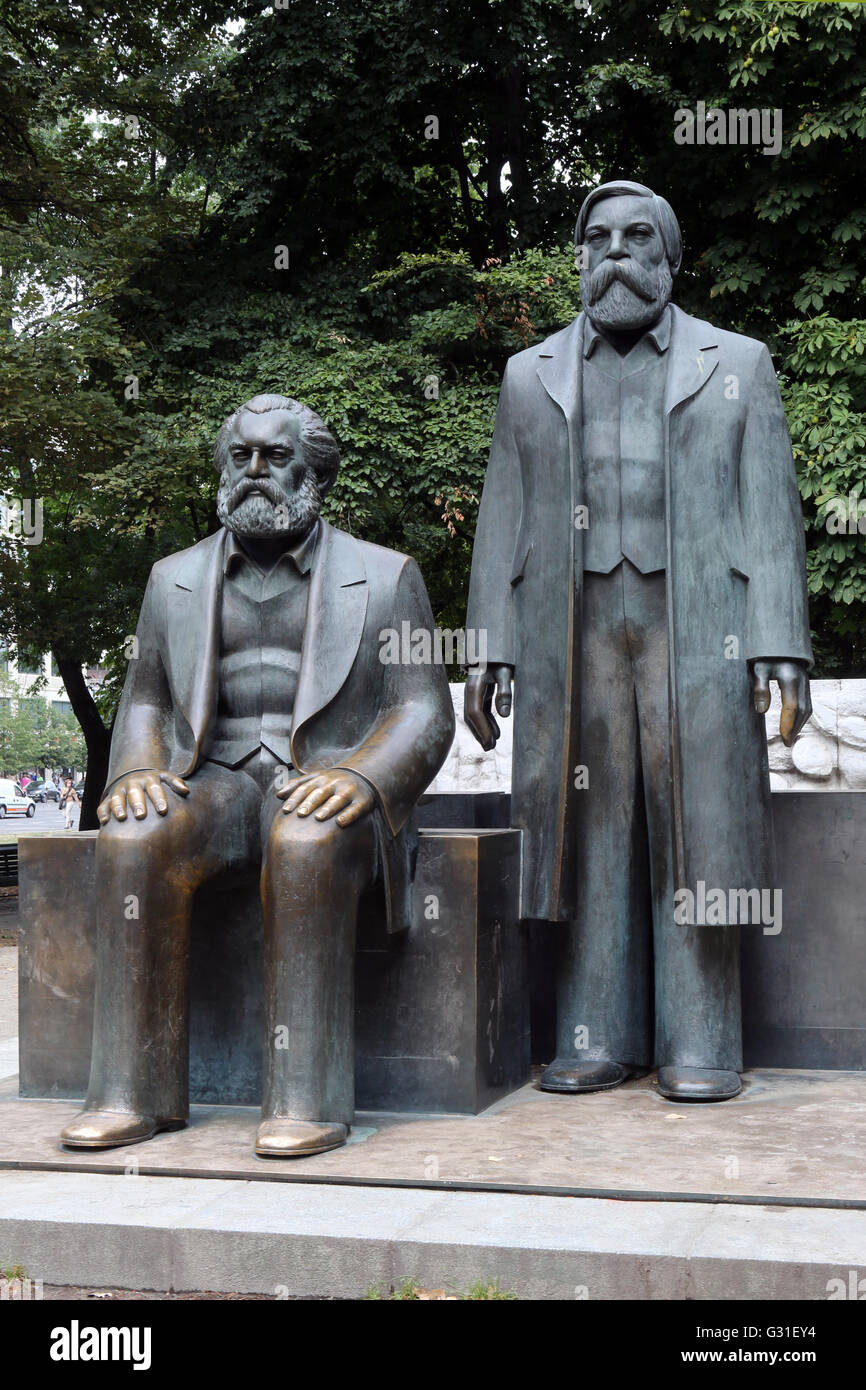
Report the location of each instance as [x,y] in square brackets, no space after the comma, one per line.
[69,799]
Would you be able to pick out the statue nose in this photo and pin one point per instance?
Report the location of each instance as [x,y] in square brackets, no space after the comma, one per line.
[258,465]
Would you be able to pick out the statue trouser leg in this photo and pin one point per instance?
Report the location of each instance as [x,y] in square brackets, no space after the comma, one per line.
[696,969]
[604,981]
[147,872]
[313,875]
[646,989]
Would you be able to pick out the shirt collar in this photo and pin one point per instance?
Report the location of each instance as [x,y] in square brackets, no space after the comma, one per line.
[659,335]
[300,553]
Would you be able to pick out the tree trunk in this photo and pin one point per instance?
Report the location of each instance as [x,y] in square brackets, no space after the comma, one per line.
[96,737]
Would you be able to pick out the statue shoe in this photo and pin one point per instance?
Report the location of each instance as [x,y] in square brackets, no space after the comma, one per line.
[109,1129]
[283,1137]
[570,1077]
[698,1083]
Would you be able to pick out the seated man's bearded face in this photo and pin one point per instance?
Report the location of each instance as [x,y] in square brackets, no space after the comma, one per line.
[627,283]
[266,487]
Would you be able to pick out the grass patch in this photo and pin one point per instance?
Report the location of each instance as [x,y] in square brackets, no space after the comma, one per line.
[409,1290]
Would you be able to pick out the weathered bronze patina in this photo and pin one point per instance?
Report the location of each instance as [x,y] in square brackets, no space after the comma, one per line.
[259,724]
[639,569]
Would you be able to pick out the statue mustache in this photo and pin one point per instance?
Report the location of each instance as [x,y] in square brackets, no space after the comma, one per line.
[263,486]
[633,276]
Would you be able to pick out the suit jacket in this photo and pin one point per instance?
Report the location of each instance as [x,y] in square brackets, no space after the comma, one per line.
[391,724]
[735,560]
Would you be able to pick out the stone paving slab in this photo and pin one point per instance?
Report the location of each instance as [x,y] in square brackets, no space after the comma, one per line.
[790,1137]
[313,1240]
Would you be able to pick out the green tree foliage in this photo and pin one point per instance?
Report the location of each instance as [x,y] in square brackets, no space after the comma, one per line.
[777,243]
[89,93]
[403,249]
[33,735]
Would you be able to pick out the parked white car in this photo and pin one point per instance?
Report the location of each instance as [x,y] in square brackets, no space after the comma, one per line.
[13,801]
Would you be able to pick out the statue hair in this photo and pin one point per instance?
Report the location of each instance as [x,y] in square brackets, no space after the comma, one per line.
[320,449]
[666,220]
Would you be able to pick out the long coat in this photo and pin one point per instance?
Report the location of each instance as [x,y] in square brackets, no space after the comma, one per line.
[393,724]
[736,570]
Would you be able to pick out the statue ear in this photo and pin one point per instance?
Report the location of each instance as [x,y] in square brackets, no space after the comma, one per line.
[675,266]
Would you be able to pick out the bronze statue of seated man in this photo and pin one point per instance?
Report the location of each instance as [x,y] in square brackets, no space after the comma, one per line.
[258,724]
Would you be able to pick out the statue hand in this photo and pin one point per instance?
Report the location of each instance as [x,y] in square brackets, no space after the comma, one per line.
[794,687]
[326,793]
[478,701]
[133,791]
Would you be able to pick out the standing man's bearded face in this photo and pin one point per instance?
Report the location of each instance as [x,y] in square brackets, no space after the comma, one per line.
[627,284]
[267,488]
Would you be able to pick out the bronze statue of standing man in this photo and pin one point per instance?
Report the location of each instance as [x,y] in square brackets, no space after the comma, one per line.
[639,568]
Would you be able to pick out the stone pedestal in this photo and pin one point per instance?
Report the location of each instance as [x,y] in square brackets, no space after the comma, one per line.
[804,991]
[441,1011]
[56,936]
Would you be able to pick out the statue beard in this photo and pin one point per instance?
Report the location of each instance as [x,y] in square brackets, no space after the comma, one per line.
[621,295]
[257,508]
